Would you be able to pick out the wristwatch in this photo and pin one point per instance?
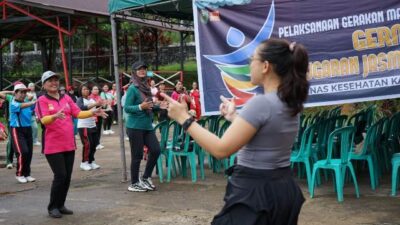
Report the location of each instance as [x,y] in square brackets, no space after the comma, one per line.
[187,123]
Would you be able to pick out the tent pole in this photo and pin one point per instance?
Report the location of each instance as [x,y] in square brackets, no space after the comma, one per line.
[181,50]
[116,74]
[1,65]
[96,35]
[70,51]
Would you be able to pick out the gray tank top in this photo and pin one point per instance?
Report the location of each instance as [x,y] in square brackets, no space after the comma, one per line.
[276,132]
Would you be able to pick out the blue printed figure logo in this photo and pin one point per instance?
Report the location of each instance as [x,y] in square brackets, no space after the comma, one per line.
[234,67]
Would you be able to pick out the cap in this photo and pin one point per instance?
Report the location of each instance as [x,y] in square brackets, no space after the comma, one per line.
[20,87]
[31,85]
[137,65]
[48,74]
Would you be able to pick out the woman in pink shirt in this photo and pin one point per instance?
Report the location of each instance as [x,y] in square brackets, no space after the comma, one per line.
[55,112]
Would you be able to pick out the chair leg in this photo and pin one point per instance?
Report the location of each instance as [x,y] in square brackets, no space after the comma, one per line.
[170,155]
[371,173]
[201,164]
[160,168]
[308,174]
[339,184]
[312,185]
[192,162]
[394,178]
[353,174]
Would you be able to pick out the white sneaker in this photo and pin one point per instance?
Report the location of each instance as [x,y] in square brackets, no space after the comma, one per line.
[106,132]
[85,166]
[9,166]
[30,179]
[94,166]
[111,132]
[37,143]
[126,139]
[114,122]
[21,179]
[100,146]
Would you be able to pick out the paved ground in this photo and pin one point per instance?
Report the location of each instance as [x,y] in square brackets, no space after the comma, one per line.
[99,197]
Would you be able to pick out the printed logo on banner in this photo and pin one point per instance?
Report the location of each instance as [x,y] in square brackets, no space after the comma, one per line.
[353,46]
[234,66]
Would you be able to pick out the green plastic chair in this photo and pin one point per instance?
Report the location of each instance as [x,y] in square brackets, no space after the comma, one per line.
[162,128]
[184,153]
[368,154]
[303,154]
[345,137]
[395,170]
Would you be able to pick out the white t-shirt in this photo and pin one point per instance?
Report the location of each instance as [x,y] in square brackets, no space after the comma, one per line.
[88,122]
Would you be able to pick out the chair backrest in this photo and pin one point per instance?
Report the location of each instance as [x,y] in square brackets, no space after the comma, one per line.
[176,133]
[370,140]
[345,137]
[211,122]
[162,127]
[306,140]
[223,128]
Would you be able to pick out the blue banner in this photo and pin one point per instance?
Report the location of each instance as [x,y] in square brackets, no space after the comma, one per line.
[353,47]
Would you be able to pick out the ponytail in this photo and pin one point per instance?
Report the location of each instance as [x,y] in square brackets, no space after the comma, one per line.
[290,62]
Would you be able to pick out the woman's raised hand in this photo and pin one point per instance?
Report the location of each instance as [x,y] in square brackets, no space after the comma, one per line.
[60,114]
[227,108]
[99,112]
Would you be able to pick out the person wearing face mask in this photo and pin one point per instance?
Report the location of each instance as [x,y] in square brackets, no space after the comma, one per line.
[139,115]
[21,132]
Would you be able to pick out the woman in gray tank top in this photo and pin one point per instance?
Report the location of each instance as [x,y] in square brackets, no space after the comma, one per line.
[261,189]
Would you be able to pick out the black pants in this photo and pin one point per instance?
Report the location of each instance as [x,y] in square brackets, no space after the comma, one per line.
[10,148]
[89,140]
[137,140]
[23,145]
[98,128]
[61,164]
[260,197]
[115,112]
[108,121]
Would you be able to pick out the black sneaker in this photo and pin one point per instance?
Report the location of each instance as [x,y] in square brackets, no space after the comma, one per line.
[137,187]
[55,213]
[148,184]
[65,210]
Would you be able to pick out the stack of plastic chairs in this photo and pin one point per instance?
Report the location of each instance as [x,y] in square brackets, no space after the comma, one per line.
[345,137]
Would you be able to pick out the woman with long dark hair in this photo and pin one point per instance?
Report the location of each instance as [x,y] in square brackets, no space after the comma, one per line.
[261,189]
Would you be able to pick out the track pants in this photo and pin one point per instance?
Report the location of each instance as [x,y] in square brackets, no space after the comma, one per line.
[23,145]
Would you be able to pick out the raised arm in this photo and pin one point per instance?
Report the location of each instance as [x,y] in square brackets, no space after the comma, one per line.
[236,136]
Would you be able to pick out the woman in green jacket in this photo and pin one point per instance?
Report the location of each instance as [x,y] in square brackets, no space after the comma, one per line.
[139,123]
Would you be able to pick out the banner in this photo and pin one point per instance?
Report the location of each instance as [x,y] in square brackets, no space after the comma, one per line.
[353,47]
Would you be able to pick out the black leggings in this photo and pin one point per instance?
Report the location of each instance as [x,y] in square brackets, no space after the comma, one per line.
[61,164]
[89,142]
[108,121]
[137,140]
[23,145]
[98,128]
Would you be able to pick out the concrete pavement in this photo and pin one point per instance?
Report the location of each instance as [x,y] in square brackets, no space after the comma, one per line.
[99,197]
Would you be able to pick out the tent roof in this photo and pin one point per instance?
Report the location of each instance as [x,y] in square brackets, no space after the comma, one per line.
[171,9]
[27,28]
[98,7]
